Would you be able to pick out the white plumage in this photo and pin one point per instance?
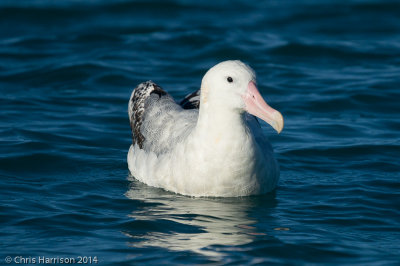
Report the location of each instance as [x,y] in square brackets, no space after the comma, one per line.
[216,150]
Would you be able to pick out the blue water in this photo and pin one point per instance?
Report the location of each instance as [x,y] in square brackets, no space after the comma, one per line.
[67,69]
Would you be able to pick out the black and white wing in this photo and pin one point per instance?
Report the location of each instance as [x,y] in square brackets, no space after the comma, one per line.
[191,101]
[158,123]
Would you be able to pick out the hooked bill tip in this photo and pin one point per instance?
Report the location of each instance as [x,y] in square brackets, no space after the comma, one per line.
[278,122]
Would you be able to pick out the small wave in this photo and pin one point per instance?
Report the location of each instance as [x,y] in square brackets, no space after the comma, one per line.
[320,52]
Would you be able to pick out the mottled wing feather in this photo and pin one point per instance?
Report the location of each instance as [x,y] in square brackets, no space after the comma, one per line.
[158,123]
[136,108]
[191,101]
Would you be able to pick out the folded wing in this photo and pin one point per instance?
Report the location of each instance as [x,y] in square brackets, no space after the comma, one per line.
[158,123]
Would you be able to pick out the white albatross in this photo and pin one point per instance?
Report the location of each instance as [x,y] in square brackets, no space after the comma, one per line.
[208,145]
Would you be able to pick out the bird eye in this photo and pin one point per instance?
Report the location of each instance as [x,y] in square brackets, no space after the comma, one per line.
[229,79]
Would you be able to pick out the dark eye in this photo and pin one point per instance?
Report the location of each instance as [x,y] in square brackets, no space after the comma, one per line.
[229,79]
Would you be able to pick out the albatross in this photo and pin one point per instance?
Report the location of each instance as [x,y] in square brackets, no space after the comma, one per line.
[211,143]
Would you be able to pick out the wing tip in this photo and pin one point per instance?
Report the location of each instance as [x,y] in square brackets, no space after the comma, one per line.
[191,101]
[136,108]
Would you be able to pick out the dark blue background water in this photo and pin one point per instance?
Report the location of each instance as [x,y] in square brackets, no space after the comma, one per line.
[67,69]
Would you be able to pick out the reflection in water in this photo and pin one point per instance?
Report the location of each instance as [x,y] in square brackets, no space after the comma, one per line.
[181,223]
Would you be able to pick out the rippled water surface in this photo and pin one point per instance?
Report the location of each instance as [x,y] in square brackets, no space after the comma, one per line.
[67,69]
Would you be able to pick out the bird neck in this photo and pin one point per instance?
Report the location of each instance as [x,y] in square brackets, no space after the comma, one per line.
[217,123]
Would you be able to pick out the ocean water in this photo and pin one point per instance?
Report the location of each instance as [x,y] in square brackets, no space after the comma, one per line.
[67,69]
